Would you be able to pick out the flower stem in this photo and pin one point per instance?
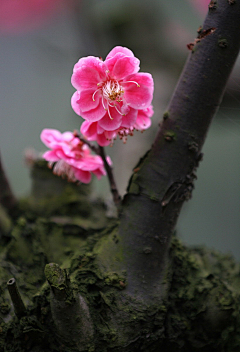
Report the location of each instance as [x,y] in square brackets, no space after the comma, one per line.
[93,147]
[101,152]
[113,186]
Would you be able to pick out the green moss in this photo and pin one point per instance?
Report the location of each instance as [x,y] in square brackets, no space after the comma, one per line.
[200,311]
[223,43]
[203,296]
[169,136]
[166,115]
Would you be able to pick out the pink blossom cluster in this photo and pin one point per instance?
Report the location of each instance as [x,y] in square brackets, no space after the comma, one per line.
[17,16]
[70,157]
[112,96]
[94,132]
[200,5]
[114,99]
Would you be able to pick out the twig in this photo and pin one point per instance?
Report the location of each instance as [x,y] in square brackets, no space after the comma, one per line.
[113,186]
[19,307]
[7,198]
[93,147]
[100,151]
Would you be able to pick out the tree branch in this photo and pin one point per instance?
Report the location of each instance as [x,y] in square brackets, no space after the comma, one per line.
[7,198]
[69,310]
[19,307]
[163,179]
[113,186]
[100,151]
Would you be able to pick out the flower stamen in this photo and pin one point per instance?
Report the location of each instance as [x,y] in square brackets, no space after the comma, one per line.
[109,113]
[115,106]
[61,168]
[104,107]
[112,90]
[112,93]
[95,93]
[138,85]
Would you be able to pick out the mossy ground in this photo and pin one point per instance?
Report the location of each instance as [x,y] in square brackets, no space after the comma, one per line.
[199,313]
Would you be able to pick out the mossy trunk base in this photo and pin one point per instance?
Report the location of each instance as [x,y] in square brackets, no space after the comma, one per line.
[199,310]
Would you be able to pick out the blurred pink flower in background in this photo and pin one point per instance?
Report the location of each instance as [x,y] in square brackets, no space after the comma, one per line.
[93,132]
[111,92]
[200,5]
[23,15]
[70,157]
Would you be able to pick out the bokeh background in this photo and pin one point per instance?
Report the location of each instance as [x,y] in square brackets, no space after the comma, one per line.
[41,40]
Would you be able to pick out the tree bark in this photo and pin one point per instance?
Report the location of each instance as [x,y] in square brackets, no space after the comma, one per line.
[164,177]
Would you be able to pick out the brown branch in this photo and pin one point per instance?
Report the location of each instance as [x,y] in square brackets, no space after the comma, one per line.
[7,198]
[163,179]
[113,186]
[100,151]
[93,147]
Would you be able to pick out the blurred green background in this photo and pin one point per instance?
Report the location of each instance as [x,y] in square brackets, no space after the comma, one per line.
[36,67]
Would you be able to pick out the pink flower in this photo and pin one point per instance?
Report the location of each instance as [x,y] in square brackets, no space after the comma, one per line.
[201,5]
[21,15]
[143,120]
[94,132]
[71,157]
[111,92]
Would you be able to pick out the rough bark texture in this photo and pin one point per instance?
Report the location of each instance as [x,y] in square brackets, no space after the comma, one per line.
[128,284]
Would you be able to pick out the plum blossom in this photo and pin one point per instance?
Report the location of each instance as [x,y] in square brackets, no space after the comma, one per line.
[70,157]
[143,120]
[200,5]
[17,16]
[110,92]
[94,132]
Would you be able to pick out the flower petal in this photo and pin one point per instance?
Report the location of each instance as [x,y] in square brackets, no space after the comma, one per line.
[83,105]
[111,124]
[99,173]
[50,137]
[89,164]
[94,114]
[89,129]
[74,102]
[102,140]
[143,120]
[50,156]
[129,119]
[119,49]
[121,66]
[67,136]
[99,129]
[86,101]
[139,97]
[83,176]
[87,73]
[94,132]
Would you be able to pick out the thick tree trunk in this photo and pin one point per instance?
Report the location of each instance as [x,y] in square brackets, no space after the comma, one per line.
[128,284]
[163,179]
